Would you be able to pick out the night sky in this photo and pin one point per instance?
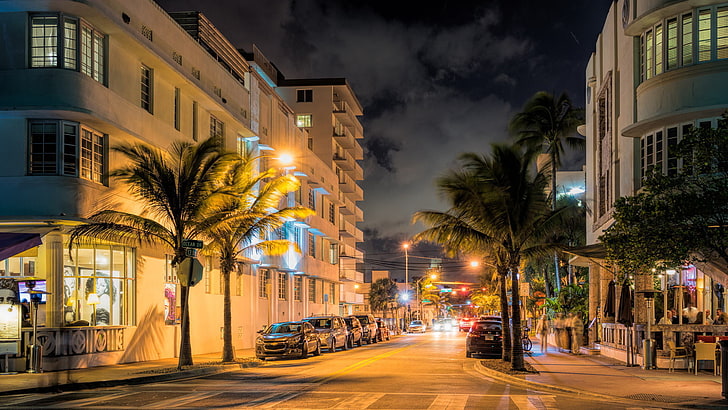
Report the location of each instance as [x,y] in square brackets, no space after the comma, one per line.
[435,79]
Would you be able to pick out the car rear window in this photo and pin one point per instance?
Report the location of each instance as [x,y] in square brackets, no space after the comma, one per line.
[364,320]
[479,326]
[285,328]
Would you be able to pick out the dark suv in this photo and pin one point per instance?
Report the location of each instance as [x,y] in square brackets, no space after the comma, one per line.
[484,337]
[287,339]
[369,328]
[355,330]
[331,330]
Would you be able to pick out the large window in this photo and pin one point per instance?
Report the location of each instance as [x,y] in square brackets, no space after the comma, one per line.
[304,120]
[61,41]
[298,288]
[66,148]
[264,283]
[312,290]
[678,41]
[217,127]
[282,286]
[99,285]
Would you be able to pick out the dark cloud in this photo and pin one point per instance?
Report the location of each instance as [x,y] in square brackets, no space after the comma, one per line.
[435,79]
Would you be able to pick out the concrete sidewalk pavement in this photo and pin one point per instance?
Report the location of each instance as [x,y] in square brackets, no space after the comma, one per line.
[605,378]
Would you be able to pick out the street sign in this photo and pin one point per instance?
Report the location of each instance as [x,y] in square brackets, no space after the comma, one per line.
[191,252]
[191,243]
[189,272]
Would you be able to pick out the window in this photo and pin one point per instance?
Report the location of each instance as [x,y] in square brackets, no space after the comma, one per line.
[217,127]
[195,135]
[312,290]
[687,39]
[146,88]
[658,49]
[312,199]
[332,213]
[311,244]
[304,120]
[298,288]
[282,286]
[103,275]
[176,108]
[304,95]
[61,41]
[704,30]
[657,148]
[332,293]
[604,148]
[264,284]
[671,43]
[64,148]
[721,23]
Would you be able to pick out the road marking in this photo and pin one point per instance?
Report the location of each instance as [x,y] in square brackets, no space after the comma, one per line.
[362,363]
[449,402]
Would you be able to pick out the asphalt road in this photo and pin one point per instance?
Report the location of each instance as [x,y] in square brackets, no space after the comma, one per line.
[422,371]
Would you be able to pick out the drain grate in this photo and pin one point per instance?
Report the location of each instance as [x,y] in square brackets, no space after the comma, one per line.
[661,398]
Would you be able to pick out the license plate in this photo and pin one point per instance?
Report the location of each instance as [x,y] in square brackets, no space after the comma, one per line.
[489,337]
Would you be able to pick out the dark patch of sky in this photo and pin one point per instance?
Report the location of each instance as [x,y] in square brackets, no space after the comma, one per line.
[435,78]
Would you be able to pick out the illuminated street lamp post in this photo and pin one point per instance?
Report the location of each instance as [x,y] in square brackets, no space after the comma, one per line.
[406,277]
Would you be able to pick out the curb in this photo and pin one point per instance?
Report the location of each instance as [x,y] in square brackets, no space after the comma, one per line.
[152,378]
[560,389]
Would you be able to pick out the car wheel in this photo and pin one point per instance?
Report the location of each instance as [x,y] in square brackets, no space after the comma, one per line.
[468,354]
[304,350]
[374,339]
[317,352]
[359,342]
[332,346]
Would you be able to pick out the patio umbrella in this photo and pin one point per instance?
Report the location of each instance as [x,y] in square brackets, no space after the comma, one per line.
[624,316]
[611,295]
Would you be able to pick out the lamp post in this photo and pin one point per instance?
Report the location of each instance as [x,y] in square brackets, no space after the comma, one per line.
[406,273]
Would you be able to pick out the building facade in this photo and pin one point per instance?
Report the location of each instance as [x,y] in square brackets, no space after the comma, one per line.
[80,78]
[659,69]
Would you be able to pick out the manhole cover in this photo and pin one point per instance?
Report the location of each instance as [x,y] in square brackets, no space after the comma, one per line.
[660,398]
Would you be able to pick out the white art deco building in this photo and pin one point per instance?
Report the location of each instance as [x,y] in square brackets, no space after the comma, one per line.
[80,77]
[659,68]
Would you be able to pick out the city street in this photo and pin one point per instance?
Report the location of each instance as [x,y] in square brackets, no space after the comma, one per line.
[423,371]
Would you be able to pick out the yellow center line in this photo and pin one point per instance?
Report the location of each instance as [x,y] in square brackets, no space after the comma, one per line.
[363,363]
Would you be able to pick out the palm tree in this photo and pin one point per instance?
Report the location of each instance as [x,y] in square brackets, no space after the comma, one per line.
[506,217]
[548,123]
[248,213]
[382,293]
[175,187]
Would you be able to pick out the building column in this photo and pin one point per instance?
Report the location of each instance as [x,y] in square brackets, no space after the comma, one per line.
[54,279]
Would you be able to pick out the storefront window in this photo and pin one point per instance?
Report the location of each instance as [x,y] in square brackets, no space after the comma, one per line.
[98,285]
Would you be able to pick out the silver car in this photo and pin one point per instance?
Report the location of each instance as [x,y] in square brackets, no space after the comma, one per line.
[332,332]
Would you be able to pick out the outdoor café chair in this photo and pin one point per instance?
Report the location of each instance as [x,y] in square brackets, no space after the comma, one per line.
[677,353]
[705,352]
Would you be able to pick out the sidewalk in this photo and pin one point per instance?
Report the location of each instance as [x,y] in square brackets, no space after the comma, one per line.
[130,373]
[606,378]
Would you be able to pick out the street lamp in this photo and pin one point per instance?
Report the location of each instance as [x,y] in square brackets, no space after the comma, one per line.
[406,274]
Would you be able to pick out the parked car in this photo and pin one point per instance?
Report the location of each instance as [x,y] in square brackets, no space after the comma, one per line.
[382,331]
[369,328]
[355,330]
[484,337]
[494,318]
[417,326]
[464,323]
[331,331]
[287,339]
[445,325]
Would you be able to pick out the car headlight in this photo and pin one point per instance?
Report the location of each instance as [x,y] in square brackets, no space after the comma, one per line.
[259,341]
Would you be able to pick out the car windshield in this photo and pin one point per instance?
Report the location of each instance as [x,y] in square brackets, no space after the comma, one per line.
[364,320]
[349,321]
[320,323]
[416,322]
[484,326]
[284,328]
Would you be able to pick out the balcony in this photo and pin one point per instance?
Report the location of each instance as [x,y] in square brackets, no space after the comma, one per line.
[348,206]
[349,186]
[343,113]
[344,137]
[348,229]
[344,161]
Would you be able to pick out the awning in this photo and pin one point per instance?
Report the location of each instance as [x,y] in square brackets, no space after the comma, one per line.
[594,253]
[14,243]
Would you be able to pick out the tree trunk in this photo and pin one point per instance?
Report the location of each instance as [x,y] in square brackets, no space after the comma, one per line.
[506,332]
[228,353]
[517,348]
[557,276]
[185,347]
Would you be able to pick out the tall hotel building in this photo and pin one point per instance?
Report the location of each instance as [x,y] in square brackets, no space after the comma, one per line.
[81,77]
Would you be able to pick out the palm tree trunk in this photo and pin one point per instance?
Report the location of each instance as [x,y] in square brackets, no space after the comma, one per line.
[553,207]
[505,317]
[185,347]
[228,353]
[517,356]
